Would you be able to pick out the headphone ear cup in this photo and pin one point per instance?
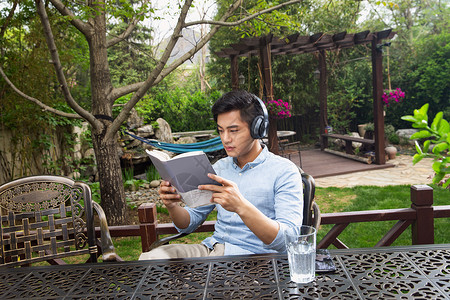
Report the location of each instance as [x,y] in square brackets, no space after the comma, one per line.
[256,127]
[264,127]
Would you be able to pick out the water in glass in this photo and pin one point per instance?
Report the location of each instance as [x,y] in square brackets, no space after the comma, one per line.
[301,257]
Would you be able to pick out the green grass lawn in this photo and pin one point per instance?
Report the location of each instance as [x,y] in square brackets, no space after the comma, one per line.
[374,198]
[340,200]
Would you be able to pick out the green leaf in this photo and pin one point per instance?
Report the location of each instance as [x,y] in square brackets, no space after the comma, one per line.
[424,109]
[417,157]
[440,147]
[438,177]
[446,183]
[418,149]
[409,118]
[437,166]
[444,127]
[420,135]
[426,146]
[436,120]
[419,125]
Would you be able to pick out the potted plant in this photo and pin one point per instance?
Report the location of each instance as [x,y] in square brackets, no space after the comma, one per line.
[278,109]
[369,130]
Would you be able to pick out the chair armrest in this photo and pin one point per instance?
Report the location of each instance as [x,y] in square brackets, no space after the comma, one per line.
[108,252]
[292,143]
[316,215]
[167,240]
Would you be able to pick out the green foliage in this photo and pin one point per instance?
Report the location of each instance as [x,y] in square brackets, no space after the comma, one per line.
[130,61]
[128,181]
[95,190]
[394,139]
[183,110]
[437,134]
[340,111]
[25,60]
[152,174]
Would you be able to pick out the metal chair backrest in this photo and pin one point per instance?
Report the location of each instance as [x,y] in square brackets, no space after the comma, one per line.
[45,218]
[308,198]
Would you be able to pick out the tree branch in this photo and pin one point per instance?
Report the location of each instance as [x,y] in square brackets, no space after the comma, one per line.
[223,23]
[201,43]
[44,106]
[57,64]
[149,82]
[77,23]
[129,30]
[159,72]
[8,18]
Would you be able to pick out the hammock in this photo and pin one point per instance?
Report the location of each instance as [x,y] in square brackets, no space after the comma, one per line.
[205,146]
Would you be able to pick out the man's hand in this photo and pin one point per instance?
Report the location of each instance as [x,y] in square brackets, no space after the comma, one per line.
[229,197]
[227,194]
[168,194]
[170,198]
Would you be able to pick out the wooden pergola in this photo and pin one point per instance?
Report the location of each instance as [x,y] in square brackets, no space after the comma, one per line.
[268,45]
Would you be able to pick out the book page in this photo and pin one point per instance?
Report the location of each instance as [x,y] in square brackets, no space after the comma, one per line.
[159,160]
[196,198]
[187,154]
[159,155]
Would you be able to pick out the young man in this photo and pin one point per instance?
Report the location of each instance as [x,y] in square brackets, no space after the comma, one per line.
[260,195]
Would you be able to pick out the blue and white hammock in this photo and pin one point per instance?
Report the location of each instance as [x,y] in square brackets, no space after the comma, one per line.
[205,146]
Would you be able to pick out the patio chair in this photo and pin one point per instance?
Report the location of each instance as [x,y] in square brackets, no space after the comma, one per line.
[288,148]
[311,211]
[46,218]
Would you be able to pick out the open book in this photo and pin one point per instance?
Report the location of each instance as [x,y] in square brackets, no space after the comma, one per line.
[186,172]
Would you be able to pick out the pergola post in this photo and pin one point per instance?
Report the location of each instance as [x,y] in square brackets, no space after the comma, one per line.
[266,66]
[378,117]
[234,72]
[323,87]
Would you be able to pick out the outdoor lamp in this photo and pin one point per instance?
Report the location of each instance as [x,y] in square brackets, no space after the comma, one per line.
[241,79]
[317,74]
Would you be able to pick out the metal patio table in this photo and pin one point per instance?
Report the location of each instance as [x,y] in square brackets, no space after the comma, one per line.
[408,272]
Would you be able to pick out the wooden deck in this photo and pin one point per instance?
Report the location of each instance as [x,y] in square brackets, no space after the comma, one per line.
[319,163]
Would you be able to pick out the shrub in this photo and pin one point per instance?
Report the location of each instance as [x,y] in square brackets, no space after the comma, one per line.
[183,110]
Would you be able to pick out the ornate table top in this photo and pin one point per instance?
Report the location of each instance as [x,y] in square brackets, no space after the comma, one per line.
[421,272]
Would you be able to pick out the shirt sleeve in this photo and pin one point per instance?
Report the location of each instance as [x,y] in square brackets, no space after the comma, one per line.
[197,216]
[288,205]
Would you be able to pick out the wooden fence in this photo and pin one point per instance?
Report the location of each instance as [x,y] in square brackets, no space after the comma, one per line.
[420,217]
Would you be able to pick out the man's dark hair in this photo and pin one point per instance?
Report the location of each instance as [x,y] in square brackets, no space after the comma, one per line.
[247,103]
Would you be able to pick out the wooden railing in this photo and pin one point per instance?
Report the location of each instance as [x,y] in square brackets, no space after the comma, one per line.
[420,216]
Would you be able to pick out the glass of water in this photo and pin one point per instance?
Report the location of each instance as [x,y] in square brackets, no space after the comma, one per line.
[301,251]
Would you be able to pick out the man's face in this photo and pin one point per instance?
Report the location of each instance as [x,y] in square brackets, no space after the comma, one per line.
[235,135]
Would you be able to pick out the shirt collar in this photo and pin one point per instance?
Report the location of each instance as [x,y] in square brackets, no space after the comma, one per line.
[258,160]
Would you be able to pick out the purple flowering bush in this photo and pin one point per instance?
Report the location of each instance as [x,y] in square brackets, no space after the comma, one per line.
[393,96]
[279,109]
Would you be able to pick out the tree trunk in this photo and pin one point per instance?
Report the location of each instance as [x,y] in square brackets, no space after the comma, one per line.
[110,178]
[273,137]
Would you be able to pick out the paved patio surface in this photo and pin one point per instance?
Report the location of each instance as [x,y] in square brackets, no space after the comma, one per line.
[403,172]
